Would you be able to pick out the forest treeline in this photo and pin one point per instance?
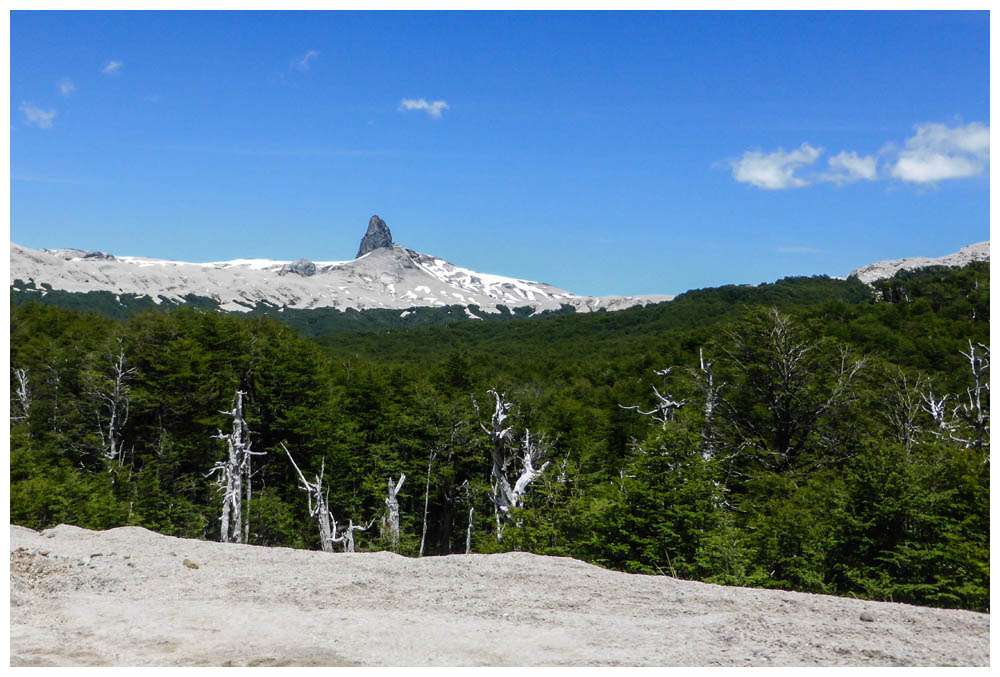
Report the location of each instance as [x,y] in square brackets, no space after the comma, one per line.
[812,435]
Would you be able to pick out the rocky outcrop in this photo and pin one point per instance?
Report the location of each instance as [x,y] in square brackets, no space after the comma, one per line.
[886,269]
[376,237]
[80,254]
[303,267]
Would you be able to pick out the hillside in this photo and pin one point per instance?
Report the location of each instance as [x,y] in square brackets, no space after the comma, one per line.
[385,286]
[131,597]
[858,488]
[383,276]
[885,269]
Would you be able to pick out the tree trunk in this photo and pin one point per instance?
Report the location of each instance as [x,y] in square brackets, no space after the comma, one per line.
[23,394]
[226,503]
[427,493]
[327,535]
[707,444]
[246,522]
[468,533]
[392,506]
[232,472]
[505,497]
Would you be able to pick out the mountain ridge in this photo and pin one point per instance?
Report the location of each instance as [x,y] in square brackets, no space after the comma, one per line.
[880,270]
[384,276]
[388,277]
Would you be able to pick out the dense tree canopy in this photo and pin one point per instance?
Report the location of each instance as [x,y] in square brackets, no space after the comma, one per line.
[821,436]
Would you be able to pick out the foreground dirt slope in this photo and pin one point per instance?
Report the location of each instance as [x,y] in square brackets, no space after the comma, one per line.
[129,596]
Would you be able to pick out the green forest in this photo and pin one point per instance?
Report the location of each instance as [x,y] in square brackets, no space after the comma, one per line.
[813,434]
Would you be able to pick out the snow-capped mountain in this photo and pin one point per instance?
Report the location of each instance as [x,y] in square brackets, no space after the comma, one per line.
[384,275]
[885,269]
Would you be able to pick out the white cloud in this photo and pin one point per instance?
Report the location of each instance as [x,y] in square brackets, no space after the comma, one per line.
[848,167]
[938,152]
[35,116]
[303,63]
[774,171]
[66,86]
[112,68]
[433,109]
[935,152]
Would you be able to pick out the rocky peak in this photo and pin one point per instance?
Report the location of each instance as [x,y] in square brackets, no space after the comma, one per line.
[377,236]
[303,267]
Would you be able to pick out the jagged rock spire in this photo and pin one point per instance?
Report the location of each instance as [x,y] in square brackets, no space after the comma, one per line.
[378,235]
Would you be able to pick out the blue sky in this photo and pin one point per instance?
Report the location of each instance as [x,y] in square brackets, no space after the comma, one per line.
[605,153]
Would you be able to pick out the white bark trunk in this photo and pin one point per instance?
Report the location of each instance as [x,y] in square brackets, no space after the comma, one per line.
[321,511]
[902,408]
[392,507]
[968,422]
[468,533]
[347,536]
[427,494]
[112,395]
[246,522]
[226,502]
[23,393]
[711,392]
[232,473]
[974,413]
[505,497]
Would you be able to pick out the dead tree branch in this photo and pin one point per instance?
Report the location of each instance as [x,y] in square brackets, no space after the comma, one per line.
[427,494]
[504,496]
[666,406]
[320,510]
[23,394]
[347,536]
[232,471]
[392,511]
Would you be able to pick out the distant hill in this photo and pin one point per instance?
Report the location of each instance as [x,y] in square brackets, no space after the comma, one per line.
[387,286]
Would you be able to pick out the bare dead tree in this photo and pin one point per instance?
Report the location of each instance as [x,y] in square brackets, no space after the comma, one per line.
[505,496]
[935,406]
[968,420]
[974,412]
[112,394]
[532,453]
[226,470]
[320,510]
[468,498]
[561,477]
[902,407]
[468,533]
[232,471]
[392,512]
[706,380]
[427,494]
[54,380]
[23,394]
[666,406]
[798,389]
[347,536]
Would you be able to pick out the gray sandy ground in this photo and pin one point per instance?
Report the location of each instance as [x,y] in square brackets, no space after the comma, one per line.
[129,596]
